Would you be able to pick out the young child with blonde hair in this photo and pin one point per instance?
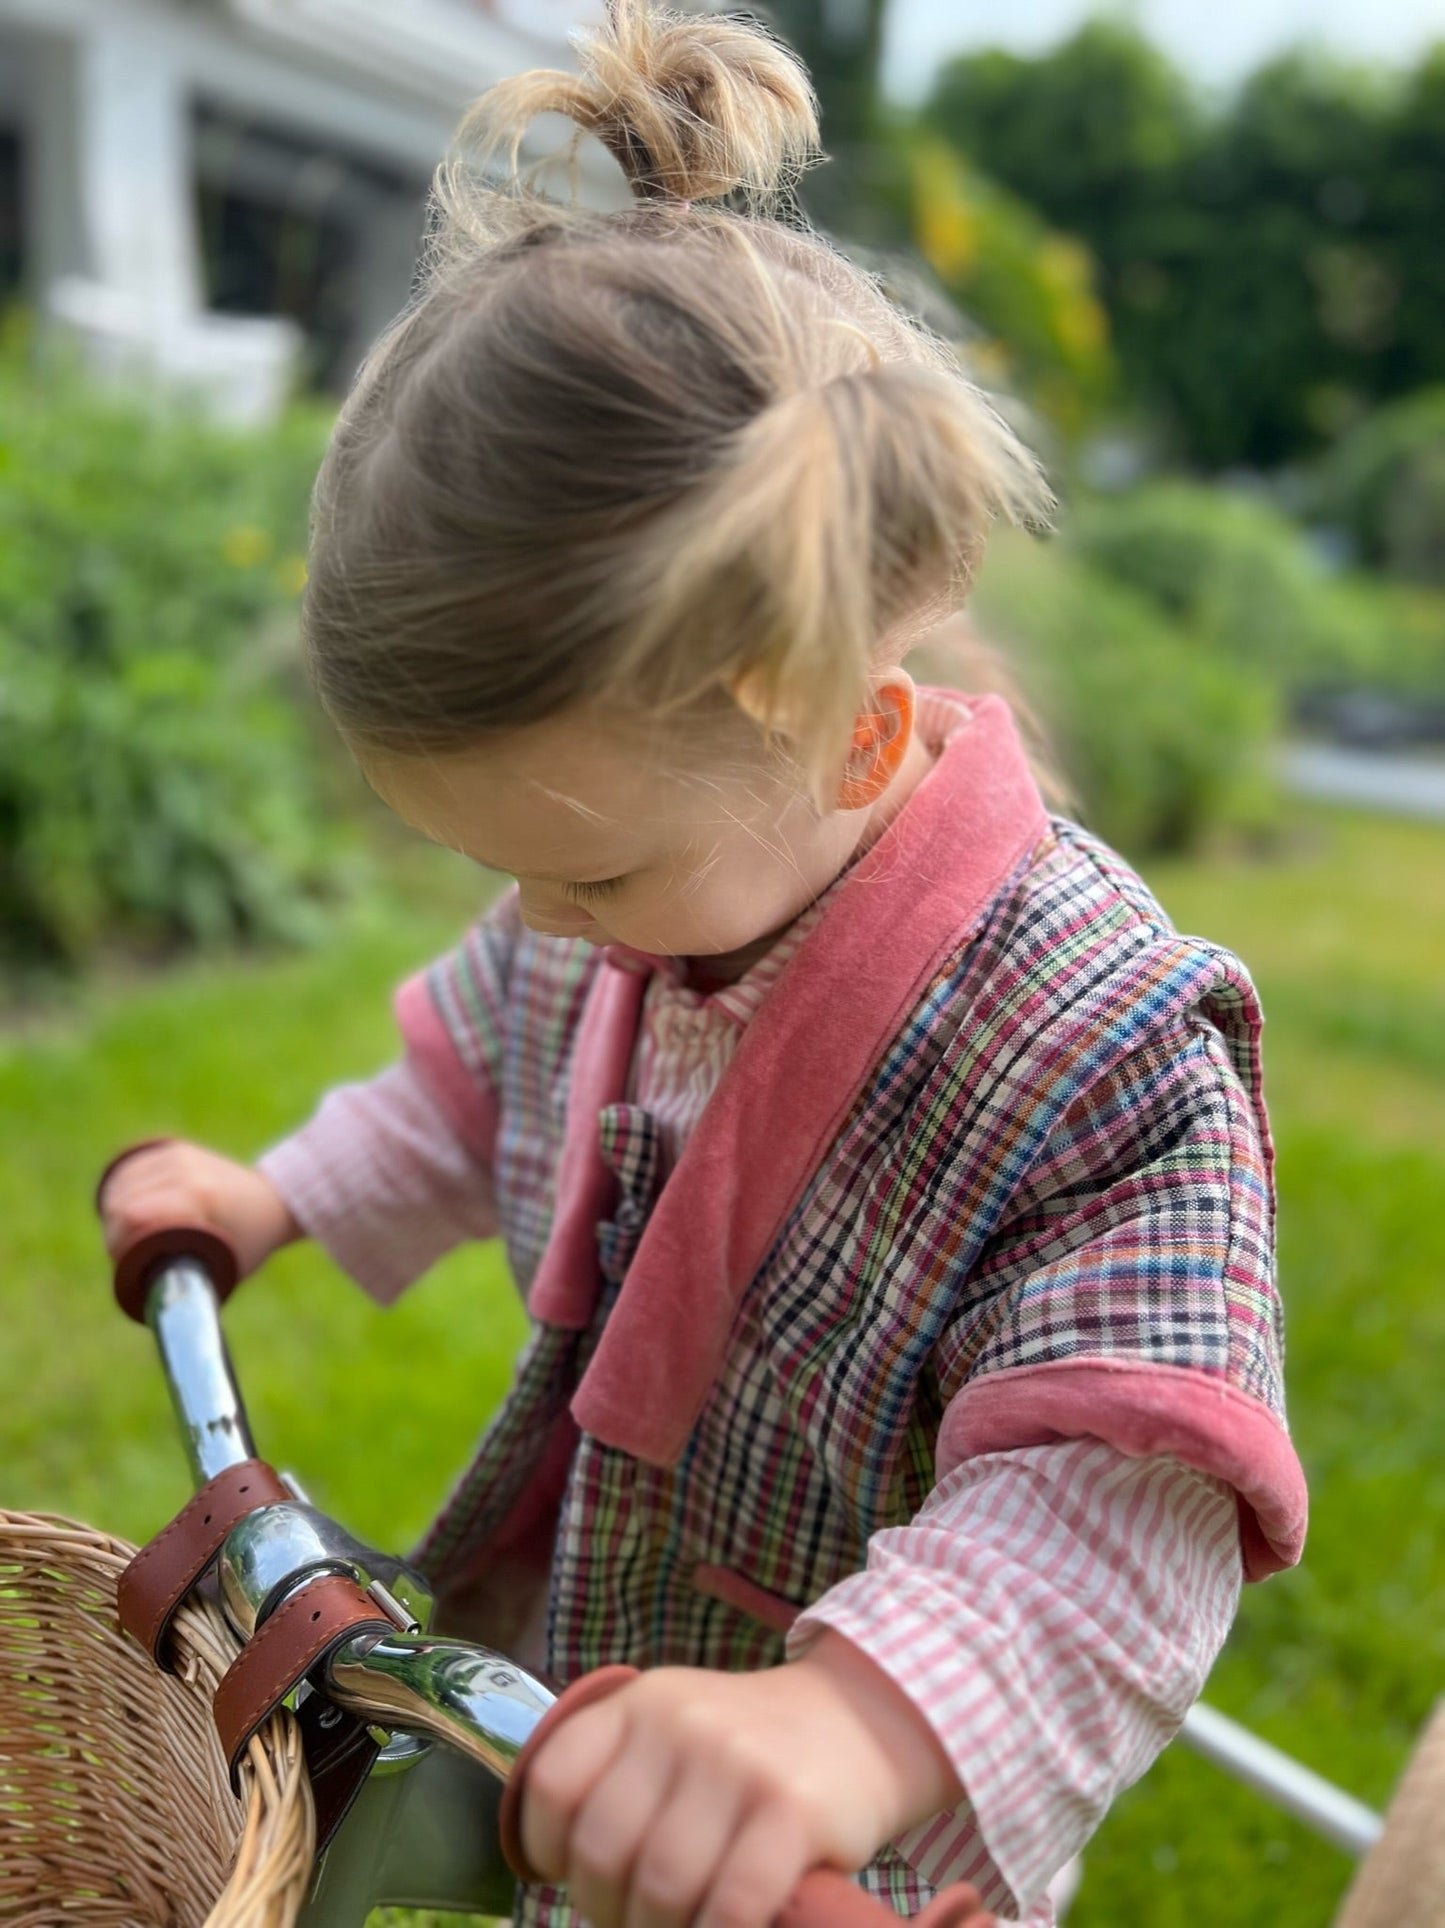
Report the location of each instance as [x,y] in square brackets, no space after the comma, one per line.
[889,1184]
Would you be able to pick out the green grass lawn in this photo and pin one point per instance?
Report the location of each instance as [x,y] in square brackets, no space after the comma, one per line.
[1338,1662]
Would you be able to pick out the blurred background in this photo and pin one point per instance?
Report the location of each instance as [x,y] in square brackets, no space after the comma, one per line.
[1198,257]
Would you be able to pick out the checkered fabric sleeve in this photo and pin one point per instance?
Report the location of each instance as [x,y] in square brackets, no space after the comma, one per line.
[1128,1290]
[391,1173]
[1143,1232]
[1110,1380]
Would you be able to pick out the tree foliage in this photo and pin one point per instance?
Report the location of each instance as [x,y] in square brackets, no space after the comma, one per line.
[1027,289]
[840,42]
[1272,270]
[1384,485]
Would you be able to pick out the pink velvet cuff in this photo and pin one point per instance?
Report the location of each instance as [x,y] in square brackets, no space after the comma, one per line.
[1145,1411]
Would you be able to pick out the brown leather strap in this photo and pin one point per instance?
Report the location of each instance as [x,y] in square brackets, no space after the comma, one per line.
[167,1567]
[339,1754]
[283,1650]
[339,1749]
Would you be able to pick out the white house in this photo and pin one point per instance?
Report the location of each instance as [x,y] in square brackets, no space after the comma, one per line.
[208,187]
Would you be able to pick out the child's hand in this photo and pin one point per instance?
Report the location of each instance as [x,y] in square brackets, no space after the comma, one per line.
[696,1799]
[177,1183]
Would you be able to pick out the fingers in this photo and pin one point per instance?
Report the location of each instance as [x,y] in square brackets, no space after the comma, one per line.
[767,1858]
[150,1189]
[639,1847]
[178,1183]
[559,1781]
[682,1848]
[612,1830]
[665,1807]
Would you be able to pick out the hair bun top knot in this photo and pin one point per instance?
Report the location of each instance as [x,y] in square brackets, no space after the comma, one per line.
[693,106]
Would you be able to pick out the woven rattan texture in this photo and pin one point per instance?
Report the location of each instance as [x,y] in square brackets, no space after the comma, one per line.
[115,1811]
[1401,1882]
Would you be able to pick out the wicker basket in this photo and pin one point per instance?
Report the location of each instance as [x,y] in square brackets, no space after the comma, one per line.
[115,1806]
[1401,1881]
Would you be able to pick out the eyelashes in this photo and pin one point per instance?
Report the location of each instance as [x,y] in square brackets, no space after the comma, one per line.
[590,893]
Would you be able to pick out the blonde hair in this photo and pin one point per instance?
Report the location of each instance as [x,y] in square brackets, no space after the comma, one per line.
[679,460]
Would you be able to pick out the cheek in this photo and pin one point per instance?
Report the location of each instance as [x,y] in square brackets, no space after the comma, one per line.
[734,907]
[731,905]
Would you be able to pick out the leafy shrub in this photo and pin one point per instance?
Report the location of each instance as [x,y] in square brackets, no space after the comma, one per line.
[1029,289]
[1243,580]
[1384,483]
[158,780]
[1165,743]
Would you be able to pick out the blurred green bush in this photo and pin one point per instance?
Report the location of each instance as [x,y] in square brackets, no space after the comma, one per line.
[1165,742]
[1384,484]
[1242,579]
[1167,635]
[159,783]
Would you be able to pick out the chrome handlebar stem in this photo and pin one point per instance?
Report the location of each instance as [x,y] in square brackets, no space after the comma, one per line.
[270,1552]
[478,1701]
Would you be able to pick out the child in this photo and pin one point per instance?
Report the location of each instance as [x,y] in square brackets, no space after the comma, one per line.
[889,1184]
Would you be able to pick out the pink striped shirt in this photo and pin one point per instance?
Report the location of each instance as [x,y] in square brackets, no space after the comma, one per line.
[686,1036]
[1091,1590]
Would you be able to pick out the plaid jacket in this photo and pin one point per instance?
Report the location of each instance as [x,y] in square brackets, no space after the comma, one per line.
[990,1167]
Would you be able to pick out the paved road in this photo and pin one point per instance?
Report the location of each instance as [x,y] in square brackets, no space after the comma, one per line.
[1411,786]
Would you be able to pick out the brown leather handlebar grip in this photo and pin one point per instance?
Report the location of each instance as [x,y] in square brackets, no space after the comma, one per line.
[824,1898]
[152,1251]
[138,1262]
[597,1685]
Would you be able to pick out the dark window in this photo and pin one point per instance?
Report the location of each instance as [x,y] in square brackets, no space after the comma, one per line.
[282,223]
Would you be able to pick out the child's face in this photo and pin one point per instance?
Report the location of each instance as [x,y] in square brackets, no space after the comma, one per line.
[609,845]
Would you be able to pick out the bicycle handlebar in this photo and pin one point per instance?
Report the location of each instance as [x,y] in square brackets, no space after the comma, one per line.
[182,1312]
[477,1701]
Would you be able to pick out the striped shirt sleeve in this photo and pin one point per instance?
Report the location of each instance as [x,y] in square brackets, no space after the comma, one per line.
[391,1173]
[1052,1612]
[382,1180]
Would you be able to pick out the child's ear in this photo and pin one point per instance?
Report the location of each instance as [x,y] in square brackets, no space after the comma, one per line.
[881,736]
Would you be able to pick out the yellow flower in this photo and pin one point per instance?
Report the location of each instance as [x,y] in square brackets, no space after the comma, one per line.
[245,546]
[291,574]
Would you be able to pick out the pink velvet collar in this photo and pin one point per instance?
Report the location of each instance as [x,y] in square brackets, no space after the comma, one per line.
[835,1008]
